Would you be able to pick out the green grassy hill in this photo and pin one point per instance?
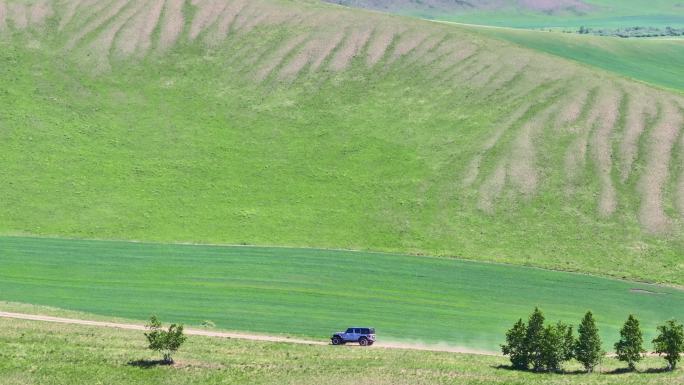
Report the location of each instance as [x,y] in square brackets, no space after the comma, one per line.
[655,61]
[537,13]
[304,124]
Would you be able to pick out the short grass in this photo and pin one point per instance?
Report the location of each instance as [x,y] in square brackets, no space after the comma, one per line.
[312,293]
[606,14]
[185,143]
[655,61]
[50,354]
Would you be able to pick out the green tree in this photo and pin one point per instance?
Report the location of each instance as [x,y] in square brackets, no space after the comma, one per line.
[588,346]
[629,348]
[670,342]
[568,343]
[515,346]
[552,348]
[534,338]
[166,342]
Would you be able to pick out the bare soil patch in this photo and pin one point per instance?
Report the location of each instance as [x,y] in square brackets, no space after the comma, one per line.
[151,20]
[407,42]
[39,12]
[230,13]
[279,56]
[3,14]
[491,188]
[641,108]
[572,110]
[656,173]
[644,291]
[352,46]
[18,13]
[608,109]
[103,43]
[207,13]
[69,12]
[379,44]
[473,169]
[172,23]
[109,13]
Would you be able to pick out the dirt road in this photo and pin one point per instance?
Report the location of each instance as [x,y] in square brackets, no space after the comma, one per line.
[244,336]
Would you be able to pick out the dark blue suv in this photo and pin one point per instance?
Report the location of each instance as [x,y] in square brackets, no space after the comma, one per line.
[364,336]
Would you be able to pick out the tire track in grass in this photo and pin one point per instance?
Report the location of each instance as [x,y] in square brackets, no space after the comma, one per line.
[661,142]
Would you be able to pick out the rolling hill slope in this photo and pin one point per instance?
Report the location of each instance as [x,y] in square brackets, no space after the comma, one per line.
[536,13]
[301,123]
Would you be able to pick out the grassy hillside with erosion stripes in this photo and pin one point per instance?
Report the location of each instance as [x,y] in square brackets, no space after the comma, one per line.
[537,13]
[654,61]
[305,124]
[311,293]
[79,355]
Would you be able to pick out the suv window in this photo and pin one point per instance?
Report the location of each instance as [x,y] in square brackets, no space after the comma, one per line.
[350,331]
[365,331]
[357,331]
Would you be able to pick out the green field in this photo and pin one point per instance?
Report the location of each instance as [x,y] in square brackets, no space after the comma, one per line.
[80,355]
[655,61]
[312,293]
[601,13]
[415,138]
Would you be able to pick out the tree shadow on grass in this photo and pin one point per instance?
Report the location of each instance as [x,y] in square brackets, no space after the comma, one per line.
[147,364]
[562,372]
[657,370]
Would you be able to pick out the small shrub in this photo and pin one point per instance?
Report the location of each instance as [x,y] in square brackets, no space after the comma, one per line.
[670,342]
[515,346]
[166,342]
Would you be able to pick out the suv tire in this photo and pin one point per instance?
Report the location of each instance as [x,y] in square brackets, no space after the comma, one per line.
[337,340]
[363,341]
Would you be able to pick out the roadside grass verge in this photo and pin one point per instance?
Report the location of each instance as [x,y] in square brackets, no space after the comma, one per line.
[50,354]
